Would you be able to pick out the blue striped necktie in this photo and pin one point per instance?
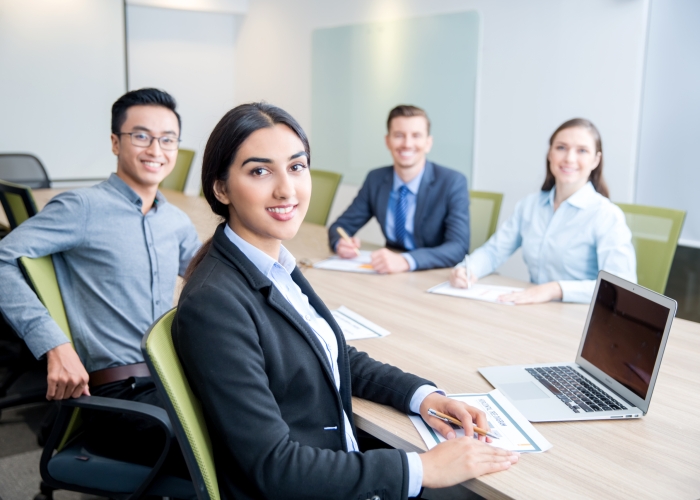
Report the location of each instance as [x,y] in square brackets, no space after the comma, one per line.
[400,216]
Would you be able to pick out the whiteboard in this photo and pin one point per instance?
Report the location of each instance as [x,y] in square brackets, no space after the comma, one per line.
[62,65]
[360,72]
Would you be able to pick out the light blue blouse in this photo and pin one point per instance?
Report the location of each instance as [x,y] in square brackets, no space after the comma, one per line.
[587,233]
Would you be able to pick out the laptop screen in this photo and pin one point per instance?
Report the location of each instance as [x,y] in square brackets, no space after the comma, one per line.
[624,336]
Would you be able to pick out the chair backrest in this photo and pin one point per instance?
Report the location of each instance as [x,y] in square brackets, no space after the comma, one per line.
[41,275]
[484,209]
[655,233]
[23,169]
[178,177]
[325,184]
[184,409]
[17,202]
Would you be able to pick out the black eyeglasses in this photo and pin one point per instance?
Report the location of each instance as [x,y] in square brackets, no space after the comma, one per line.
[144,140]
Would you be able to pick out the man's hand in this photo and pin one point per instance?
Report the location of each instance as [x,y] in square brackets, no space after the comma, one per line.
[347,250]
[535,294]
[384,261]
[67,376]
[458,278]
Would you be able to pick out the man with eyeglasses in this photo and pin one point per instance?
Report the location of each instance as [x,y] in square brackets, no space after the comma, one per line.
[118,248]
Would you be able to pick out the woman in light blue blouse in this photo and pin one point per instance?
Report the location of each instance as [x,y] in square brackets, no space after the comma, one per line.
[568,231]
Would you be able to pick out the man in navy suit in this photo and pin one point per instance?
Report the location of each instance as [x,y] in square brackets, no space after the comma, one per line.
[423,208]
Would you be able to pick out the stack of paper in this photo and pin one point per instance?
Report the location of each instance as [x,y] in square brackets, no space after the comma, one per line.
[505,421]
[356,327]
[478,291]
[360,264]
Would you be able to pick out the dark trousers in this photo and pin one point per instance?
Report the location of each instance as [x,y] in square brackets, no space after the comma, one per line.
[128,437]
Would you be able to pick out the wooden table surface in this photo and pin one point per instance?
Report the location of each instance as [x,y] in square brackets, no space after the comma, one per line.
[445,339]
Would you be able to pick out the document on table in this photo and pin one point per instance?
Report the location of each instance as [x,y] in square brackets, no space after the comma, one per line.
[514,432]
[360,264]
[355,327]
[477,291]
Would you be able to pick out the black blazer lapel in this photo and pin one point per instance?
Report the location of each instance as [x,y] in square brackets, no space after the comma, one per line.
[262,283]
[423,201]
[282,306]
[343,361]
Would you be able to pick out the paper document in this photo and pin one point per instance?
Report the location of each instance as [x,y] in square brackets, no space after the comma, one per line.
[360,264]
[514,431]
[356,327]
[477,291]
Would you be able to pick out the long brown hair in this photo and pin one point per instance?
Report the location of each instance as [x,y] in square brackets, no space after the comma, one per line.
[223,144]
[596,176]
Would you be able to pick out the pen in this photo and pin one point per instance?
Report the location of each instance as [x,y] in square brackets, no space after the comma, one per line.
[452,420]
[466,268]
[347,238]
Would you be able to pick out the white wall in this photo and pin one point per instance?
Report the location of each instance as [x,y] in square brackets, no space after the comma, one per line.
[669,169]
[542,62]
[62,67]
[191,56]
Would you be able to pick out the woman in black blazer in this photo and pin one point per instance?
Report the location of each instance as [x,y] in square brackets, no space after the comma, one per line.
[265,357]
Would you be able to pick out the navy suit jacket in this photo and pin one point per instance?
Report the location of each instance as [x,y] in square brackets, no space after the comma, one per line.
[441,223]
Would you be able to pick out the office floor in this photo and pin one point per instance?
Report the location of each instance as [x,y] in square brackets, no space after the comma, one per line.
[20,453]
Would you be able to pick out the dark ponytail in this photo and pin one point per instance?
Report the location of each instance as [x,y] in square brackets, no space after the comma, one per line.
[223,144]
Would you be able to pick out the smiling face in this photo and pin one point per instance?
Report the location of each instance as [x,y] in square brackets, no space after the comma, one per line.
[572,157]
[143,168]
[408,141]
[268,188]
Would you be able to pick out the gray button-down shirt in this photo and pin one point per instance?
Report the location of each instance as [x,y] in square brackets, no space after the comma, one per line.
[116,268]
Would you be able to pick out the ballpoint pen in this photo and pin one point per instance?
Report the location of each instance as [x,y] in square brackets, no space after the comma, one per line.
[466,268]
[451,420]
[347,238]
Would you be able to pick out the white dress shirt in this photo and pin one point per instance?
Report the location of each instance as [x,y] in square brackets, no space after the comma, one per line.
[586,234]
[280,275]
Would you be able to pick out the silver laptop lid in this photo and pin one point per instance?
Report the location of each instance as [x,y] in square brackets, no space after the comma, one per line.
[624,337]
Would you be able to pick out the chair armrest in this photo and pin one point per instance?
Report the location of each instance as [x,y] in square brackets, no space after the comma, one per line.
[97,403]
[122,406]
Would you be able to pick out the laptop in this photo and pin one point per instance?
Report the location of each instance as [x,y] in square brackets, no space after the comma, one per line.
[616,365]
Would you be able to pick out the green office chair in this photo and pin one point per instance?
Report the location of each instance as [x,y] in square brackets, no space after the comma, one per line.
[178,177]
[74,468]
[655,233]
[484,209]
[18,202]
[25,378]
[325,185]
[183,407]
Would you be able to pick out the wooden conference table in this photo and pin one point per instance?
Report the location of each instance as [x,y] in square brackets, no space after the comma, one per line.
[445,339]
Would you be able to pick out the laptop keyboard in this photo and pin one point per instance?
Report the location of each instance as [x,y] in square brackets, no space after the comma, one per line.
[574,390]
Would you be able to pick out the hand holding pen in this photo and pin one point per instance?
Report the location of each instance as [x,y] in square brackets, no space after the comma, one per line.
[437,410]
[462,275]
[459,457]
[347,247]
[454,421]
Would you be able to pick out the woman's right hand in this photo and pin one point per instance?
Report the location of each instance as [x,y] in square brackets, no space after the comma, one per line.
[460,459]
[347,250]
[458,278]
